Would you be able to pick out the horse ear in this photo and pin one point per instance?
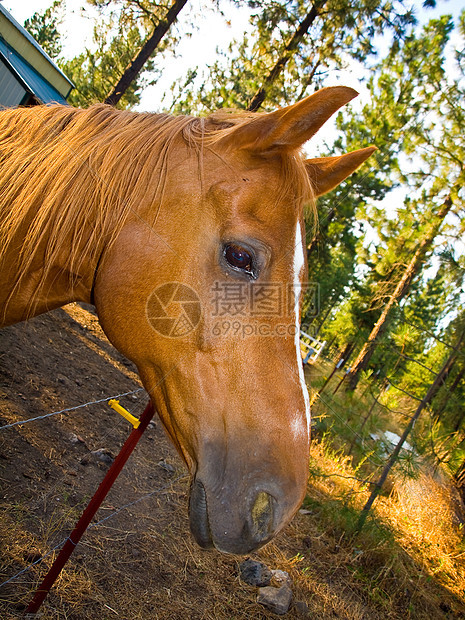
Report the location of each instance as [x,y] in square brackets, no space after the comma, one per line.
[327,172]
[290,127]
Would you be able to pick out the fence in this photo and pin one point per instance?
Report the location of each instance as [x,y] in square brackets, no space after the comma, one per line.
[115,512]
[311,347]
[378,386]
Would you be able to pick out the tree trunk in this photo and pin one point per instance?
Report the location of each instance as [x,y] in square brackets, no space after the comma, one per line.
[459,479]
[450,390]
[366,418]
[320,324]
[399,292]
[432,390]
[345,354]
[282,61]
[446,374]
[135,66]
[459,421]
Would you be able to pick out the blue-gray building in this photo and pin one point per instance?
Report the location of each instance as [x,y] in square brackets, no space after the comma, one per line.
[28,76]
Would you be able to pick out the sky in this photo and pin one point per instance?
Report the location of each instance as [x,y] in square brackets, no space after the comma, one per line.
[213,31]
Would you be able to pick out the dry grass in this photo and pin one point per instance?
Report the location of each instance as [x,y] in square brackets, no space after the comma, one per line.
[142,563]
[424,512]
[411,553]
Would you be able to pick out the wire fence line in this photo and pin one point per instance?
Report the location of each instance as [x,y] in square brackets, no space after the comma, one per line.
[353,431]
[68,409]
[377,384]
[431,335]
[93,525]
[107,517]
[318,396]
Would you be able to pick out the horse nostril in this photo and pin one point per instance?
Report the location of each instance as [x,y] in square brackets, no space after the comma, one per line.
[198,515]
[262,516]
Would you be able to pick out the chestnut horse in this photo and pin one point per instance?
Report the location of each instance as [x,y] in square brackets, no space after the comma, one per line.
[183,232]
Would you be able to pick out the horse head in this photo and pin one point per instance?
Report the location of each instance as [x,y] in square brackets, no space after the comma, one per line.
[202,290]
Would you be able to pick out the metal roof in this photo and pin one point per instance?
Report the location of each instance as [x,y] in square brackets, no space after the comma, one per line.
[28,77]
[30,64]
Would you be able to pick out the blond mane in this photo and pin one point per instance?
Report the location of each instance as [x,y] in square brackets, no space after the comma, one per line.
[64,167]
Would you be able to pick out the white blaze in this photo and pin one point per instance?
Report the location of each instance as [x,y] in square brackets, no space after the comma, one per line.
[299,262]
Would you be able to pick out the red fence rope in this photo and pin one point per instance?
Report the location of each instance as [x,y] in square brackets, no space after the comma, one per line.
[90,511]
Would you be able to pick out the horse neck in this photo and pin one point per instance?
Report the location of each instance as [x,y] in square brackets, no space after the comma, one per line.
[31,284]
[68,195]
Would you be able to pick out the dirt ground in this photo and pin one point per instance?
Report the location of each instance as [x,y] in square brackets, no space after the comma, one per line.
[139,561]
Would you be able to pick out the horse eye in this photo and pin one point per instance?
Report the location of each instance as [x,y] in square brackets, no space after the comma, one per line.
[239,258]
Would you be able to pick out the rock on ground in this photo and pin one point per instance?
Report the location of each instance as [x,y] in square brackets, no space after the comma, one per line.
[277,600]
[255,573]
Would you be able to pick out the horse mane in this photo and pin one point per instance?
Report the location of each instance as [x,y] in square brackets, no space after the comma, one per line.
[64,167]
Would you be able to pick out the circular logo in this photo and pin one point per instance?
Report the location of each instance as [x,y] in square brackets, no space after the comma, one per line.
[173,309]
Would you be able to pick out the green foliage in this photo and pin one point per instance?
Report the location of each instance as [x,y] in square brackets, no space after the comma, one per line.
[120,32]
[341,31]
[44,27]
[95,71]
[416,110]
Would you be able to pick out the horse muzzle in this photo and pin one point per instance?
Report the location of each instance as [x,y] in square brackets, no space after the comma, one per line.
[234,530]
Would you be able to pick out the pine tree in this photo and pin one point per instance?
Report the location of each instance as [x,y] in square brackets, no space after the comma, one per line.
[402,286]
[144,53]
[423,113]
[120,61]
[45,28]
[291,50]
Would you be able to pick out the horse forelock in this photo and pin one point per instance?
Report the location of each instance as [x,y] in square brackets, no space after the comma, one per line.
[295,181]
[65,168]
